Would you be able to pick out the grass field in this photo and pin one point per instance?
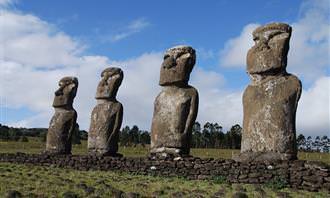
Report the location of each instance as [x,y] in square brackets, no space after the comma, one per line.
[37,181]
[36,146]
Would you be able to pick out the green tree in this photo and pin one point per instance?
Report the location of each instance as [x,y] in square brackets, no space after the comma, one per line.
[83,135]
[301,139]
[196,141]
[24,139]
[212,136]
[324,138]
[206,136]
[124,136]
[43,137]
[76,135]
[144,137]
[4,135]
[134,134]
[234,137]
[14,134]
[216,135]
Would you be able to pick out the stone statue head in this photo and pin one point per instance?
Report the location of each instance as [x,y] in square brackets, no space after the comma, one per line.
[269,54]
[66,92]
[109,84]
[177,65]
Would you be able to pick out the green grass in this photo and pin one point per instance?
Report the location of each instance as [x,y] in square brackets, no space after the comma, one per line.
[36,146]
[37,181]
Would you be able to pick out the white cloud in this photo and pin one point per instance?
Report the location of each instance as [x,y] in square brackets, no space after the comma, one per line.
[36,56]
[33,57]
[309,59]
[30,73]
[205,54]
[5,3]
[139,88]
[30,76]
[22,86]
[313,114]
[30,41]
[216,103]
[309,55]
[132,28]
[234,52]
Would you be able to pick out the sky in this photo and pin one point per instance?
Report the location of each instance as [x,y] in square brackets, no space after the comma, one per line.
[42,41]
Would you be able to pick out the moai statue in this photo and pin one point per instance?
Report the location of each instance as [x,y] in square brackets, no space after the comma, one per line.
[107,115]
[270,101]
[176,106]
[63,123]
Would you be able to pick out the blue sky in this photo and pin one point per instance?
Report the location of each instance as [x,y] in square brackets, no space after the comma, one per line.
[81,38]
[162,25]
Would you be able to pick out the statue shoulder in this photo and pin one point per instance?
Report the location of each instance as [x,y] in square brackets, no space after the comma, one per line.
[119,105]
[192,91]
[294,82]
[294,79]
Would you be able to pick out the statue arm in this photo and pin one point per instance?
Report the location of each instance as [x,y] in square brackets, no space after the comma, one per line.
[72,125]
[118,122]
[192,112]
[299,92]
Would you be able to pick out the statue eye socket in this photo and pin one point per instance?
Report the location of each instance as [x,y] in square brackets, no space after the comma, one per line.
[256,38]
[166,56]
[179,55]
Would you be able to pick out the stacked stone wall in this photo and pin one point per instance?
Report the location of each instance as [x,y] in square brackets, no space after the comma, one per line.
[299,174]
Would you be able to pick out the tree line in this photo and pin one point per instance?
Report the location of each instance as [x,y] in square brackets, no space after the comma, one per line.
[209,135]
[319,144]
[22,134]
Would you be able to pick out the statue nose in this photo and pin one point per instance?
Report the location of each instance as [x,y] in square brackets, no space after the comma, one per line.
[59,91]
[263,41]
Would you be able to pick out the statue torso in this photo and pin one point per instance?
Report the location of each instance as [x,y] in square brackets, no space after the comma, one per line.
[269,114]
[172,107]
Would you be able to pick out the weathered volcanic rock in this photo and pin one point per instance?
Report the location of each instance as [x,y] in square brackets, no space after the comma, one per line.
[107,115]
[176,106]
[270,101]
[63,123]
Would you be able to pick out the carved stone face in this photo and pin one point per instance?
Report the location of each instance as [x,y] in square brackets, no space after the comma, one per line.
[269,54]
[66,92]
[109,84]
[177,65]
